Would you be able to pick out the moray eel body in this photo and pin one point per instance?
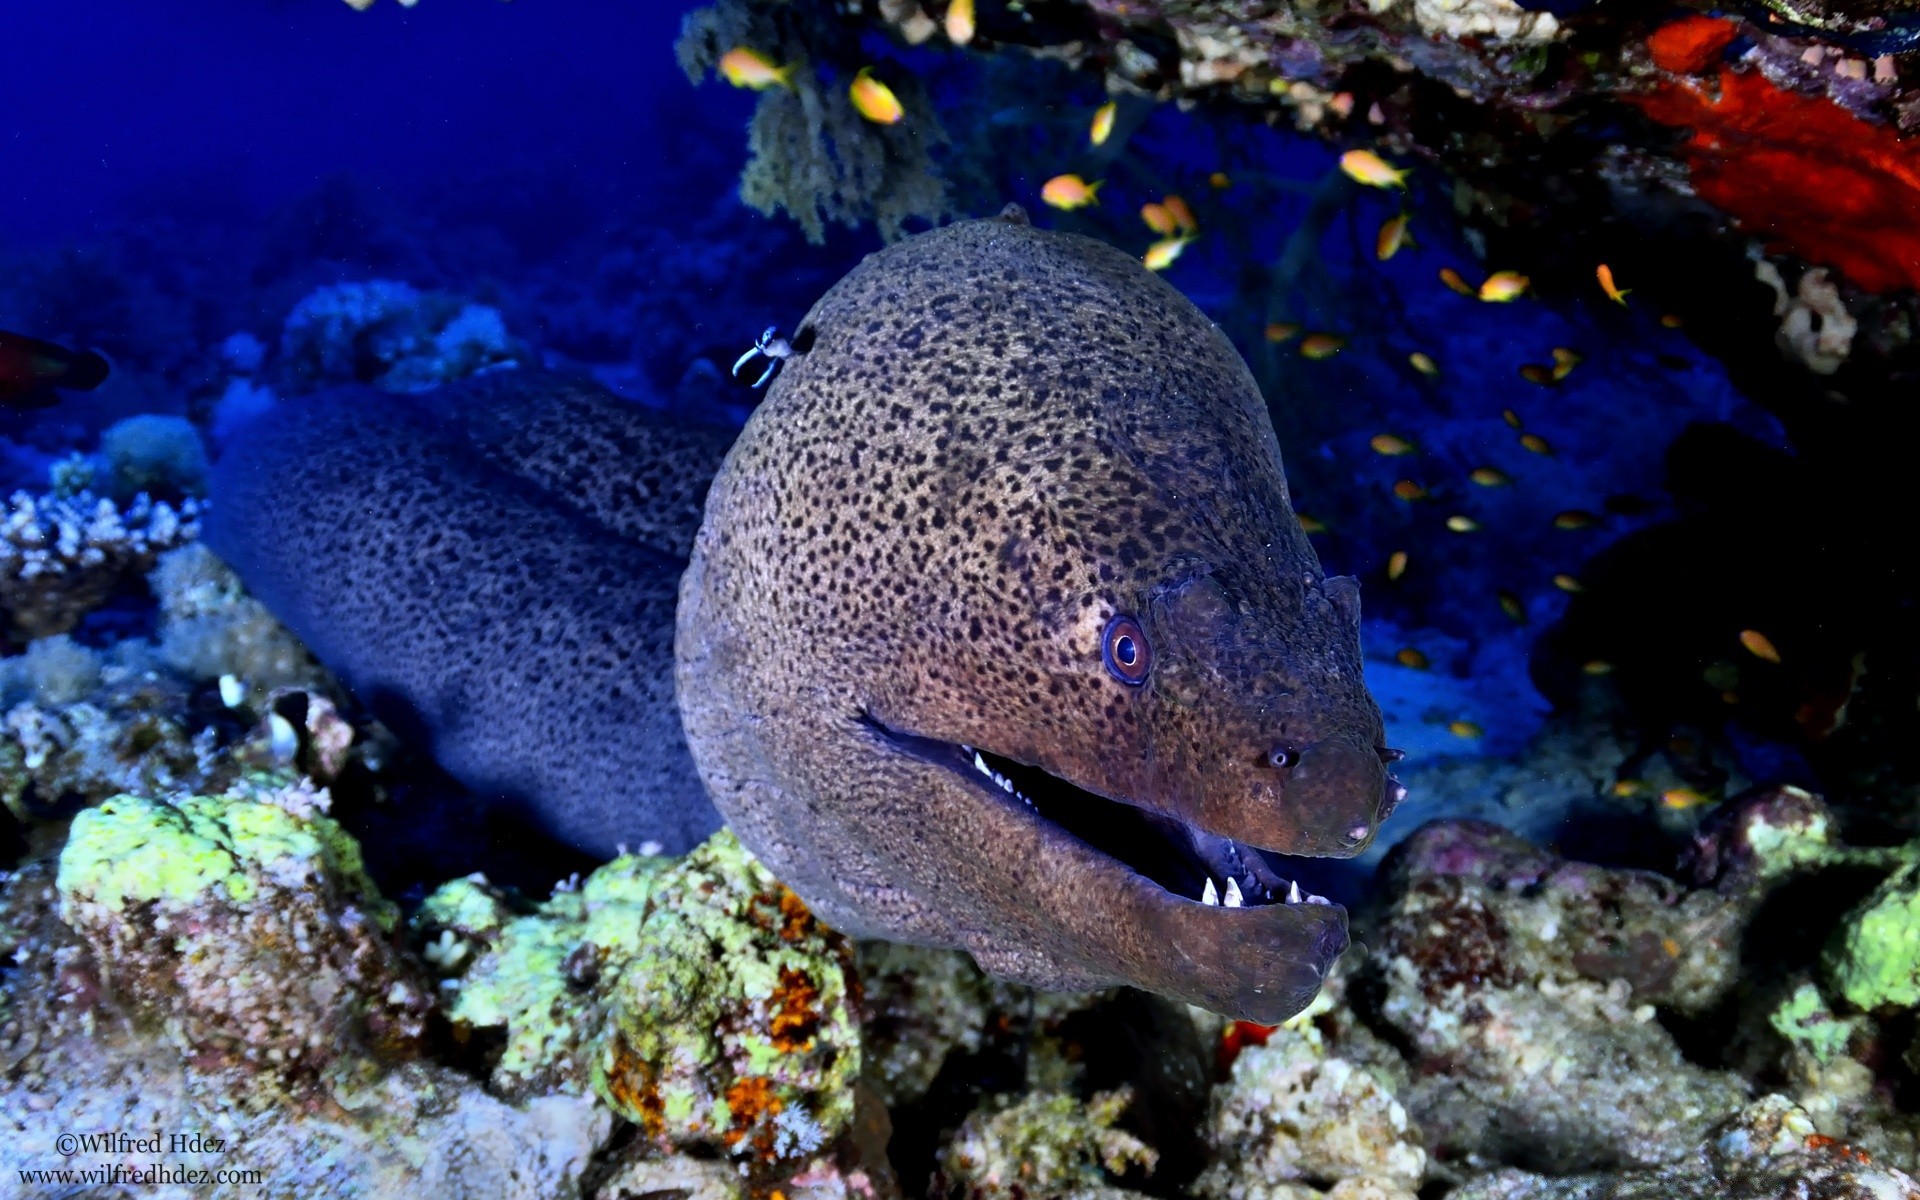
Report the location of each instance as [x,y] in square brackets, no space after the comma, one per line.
[998,632]
[1001,633]
[491,567]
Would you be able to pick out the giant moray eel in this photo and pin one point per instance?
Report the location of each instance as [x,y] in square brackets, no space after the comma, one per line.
[999,631]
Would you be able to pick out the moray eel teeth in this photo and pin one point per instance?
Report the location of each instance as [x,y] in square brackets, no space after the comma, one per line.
[1187,863]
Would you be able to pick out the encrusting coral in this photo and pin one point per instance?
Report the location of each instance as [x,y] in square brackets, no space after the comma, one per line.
[697,997]
[919,1006]
[70,1059]
[61,556]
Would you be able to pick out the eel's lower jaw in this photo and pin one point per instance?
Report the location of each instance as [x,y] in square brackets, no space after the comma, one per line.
[1190,864]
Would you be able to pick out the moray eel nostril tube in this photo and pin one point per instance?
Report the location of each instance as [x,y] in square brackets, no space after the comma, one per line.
[998,630]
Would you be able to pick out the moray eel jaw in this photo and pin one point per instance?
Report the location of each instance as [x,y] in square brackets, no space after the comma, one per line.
[1208,918]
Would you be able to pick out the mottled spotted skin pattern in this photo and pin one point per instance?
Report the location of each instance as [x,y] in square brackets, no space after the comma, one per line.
[997,439]
[494,567]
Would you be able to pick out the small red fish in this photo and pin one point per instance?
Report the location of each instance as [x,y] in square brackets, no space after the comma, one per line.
[31,371]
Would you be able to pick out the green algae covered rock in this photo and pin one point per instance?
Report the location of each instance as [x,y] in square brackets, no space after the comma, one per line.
[698,998]
[243,924]
[1804,1019]
[1874,959]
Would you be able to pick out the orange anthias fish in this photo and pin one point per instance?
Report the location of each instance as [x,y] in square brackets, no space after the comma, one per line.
[1102,127]
[1364,166]
[748,68]
[1393,235]
[1502,287]
[1068,192]
[874,99]
[1604,274]
[31,371]
[1161,254]
[1181,214]
[1159,219]
[960,21]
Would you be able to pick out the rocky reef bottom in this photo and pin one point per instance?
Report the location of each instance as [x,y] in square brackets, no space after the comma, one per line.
[205,992]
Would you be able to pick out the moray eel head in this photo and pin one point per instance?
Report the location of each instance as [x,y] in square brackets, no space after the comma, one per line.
[1001,633]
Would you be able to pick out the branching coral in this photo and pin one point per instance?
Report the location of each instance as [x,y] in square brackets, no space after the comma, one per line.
[60,557]
[813,156]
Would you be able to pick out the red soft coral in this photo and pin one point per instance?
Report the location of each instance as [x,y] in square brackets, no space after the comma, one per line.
[1799,171]
[1691,43]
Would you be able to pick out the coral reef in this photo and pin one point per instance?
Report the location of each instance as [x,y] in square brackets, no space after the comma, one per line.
[918,1007]
[1802,171]
[92,726]
[698,998]
[390,335]
[61,556]
[1874,962]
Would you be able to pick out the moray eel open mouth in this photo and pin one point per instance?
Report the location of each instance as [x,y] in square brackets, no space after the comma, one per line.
[1181,859]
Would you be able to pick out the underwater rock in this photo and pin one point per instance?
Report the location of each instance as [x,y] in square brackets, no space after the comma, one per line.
[61,556]
[697,997]
[1044,1144]
[1524,988]
[390,335]
[1295,1110]
[1768,1150]
[244,925]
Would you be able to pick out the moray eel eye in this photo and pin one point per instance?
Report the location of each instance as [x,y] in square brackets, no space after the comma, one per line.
[1280,757]
[1124,649]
